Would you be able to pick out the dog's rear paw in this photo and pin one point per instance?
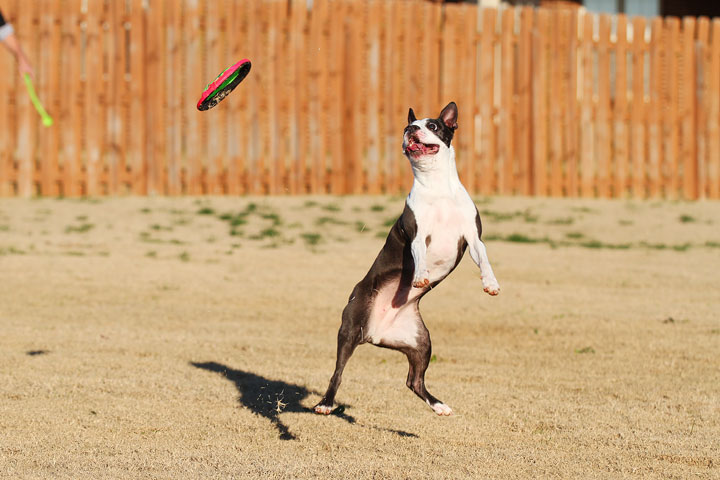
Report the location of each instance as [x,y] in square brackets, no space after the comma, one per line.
[323,409]
[421,279]
[442,409]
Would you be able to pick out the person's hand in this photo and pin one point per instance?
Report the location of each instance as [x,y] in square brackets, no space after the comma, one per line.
[25,67]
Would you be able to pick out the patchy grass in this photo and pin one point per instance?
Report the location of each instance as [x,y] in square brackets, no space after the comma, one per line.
[516,238]
[687,219]
[584,210]
[585,350]
[561,221]
[311,239]
[272,217]
[361,227]
[611,246]
[329,221]
[575,239]
[493,216]
[82,228]
[206,211]
[11,251]
[331,207]
[148,238]
[234,220]
[265,233]
[389,222]
[522,238]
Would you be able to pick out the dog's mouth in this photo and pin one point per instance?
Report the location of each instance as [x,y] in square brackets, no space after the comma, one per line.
[417,149]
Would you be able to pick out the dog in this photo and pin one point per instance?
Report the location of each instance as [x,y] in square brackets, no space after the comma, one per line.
[424,246]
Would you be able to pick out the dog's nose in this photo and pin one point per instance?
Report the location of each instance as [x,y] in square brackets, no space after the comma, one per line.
[410,130]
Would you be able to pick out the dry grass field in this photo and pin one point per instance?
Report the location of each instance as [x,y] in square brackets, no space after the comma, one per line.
[188,338]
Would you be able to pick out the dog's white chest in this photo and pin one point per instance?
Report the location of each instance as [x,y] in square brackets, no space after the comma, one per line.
[442,225]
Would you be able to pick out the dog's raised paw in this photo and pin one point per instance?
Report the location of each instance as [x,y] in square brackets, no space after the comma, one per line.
[421,282]
[442,409]
[492,290]
[491,287]
[323,409]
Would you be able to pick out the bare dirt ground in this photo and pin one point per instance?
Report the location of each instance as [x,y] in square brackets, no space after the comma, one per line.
[188,338]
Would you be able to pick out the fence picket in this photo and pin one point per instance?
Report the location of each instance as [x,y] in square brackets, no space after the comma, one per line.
[671,130]
[587,137]
[506,147]
[603,136]
[620,119]
[525,102]
[638,110]
[6,140]
[49,62]
[540,102]
[570,154]
[27,118]
[556,105]
[655,123]
[713,168]
[688,109]
[701,56]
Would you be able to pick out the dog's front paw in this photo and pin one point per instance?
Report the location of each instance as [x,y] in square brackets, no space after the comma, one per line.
[491,286]
[421,280]
[323,409]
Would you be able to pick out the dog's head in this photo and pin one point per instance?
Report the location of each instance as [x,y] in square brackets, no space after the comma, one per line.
[429,136]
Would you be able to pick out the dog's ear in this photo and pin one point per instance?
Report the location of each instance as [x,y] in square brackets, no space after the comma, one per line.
[449,115]
[411,116]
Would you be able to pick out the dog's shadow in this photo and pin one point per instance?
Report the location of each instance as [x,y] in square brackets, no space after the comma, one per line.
[268,398]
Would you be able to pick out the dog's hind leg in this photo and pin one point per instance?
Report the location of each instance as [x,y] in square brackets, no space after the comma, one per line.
[419,358]
[348,340]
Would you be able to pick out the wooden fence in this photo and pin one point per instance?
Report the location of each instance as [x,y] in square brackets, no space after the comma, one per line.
[551,102]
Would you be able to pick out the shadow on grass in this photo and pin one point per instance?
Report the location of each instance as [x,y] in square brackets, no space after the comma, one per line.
[269,398]
[35,353]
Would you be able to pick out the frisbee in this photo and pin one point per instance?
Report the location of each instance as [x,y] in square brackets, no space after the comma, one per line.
[225,83]
[46,119]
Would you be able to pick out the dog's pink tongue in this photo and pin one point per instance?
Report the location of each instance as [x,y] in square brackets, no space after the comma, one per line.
[414,147]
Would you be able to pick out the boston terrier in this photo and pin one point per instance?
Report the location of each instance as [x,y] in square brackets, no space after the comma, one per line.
[424,245]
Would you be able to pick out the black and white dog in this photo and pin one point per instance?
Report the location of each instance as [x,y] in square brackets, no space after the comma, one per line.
[426,243]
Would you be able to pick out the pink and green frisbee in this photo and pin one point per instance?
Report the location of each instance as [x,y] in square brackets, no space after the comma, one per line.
[225,83]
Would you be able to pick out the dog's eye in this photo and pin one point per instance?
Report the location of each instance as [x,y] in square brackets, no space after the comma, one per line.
[432,127]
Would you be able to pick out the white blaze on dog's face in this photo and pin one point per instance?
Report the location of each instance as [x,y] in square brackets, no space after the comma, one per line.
[429,136]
